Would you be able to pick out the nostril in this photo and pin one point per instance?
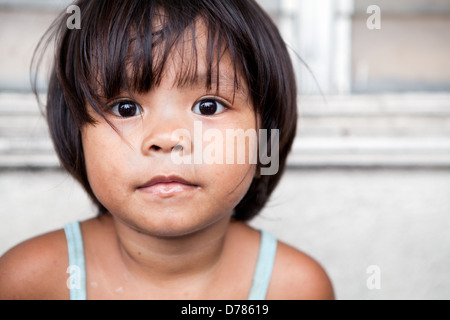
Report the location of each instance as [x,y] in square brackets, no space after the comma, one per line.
[163,148]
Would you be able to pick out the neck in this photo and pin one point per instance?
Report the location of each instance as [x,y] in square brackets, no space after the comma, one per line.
[170,258]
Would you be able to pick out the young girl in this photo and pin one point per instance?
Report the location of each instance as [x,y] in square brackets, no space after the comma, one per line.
[134,73]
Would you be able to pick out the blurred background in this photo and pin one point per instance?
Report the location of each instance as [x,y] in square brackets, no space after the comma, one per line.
[367,189]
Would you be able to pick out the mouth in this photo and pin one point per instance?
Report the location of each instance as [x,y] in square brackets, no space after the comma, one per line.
[167,186]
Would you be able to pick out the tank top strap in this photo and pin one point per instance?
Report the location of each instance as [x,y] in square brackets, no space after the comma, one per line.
[264,266]
[77,269]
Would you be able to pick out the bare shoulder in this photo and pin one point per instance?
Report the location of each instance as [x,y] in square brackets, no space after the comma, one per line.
[35,269]
[297,276]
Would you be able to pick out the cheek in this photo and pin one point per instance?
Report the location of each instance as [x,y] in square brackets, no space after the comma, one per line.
[232,172]
[103,160]
[229,182]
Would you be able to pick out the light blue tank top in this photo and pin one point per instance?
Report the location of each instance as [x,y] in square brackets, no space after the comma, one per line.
[77,266]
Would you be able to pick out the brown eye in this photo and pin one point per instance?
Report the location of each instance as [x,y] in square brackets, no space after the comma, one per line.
[126,109]
[208,107]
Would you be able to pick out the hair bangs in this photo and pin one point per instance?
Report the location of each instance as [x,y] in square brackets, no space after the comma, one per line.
[132,54]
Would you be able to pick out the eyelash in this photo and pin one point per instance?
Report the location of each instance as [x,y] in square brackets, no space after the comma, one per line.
[114,106]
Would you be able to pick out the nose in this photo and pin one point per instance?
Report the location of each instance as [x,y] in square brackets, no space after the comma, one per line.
[165,133]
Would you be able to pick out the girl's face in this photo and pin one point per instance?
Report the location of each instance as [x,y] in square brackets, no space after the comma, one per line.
[132,169]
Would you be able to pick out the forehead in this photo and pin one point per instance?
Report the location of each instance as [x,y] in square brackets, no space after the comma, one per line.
[197,61]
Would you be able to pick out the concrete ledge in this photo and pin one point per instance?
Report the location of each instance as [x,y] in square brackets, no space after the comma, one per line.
[410,104]
[33,4]
[371,152]
[31,161]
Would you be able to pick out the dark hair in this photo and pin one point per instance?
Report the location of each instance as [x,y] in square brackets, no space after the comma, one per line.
[92,62]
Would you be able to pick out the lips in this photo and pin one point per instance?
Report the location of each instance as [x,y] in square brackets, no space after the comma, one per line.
[167,186]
